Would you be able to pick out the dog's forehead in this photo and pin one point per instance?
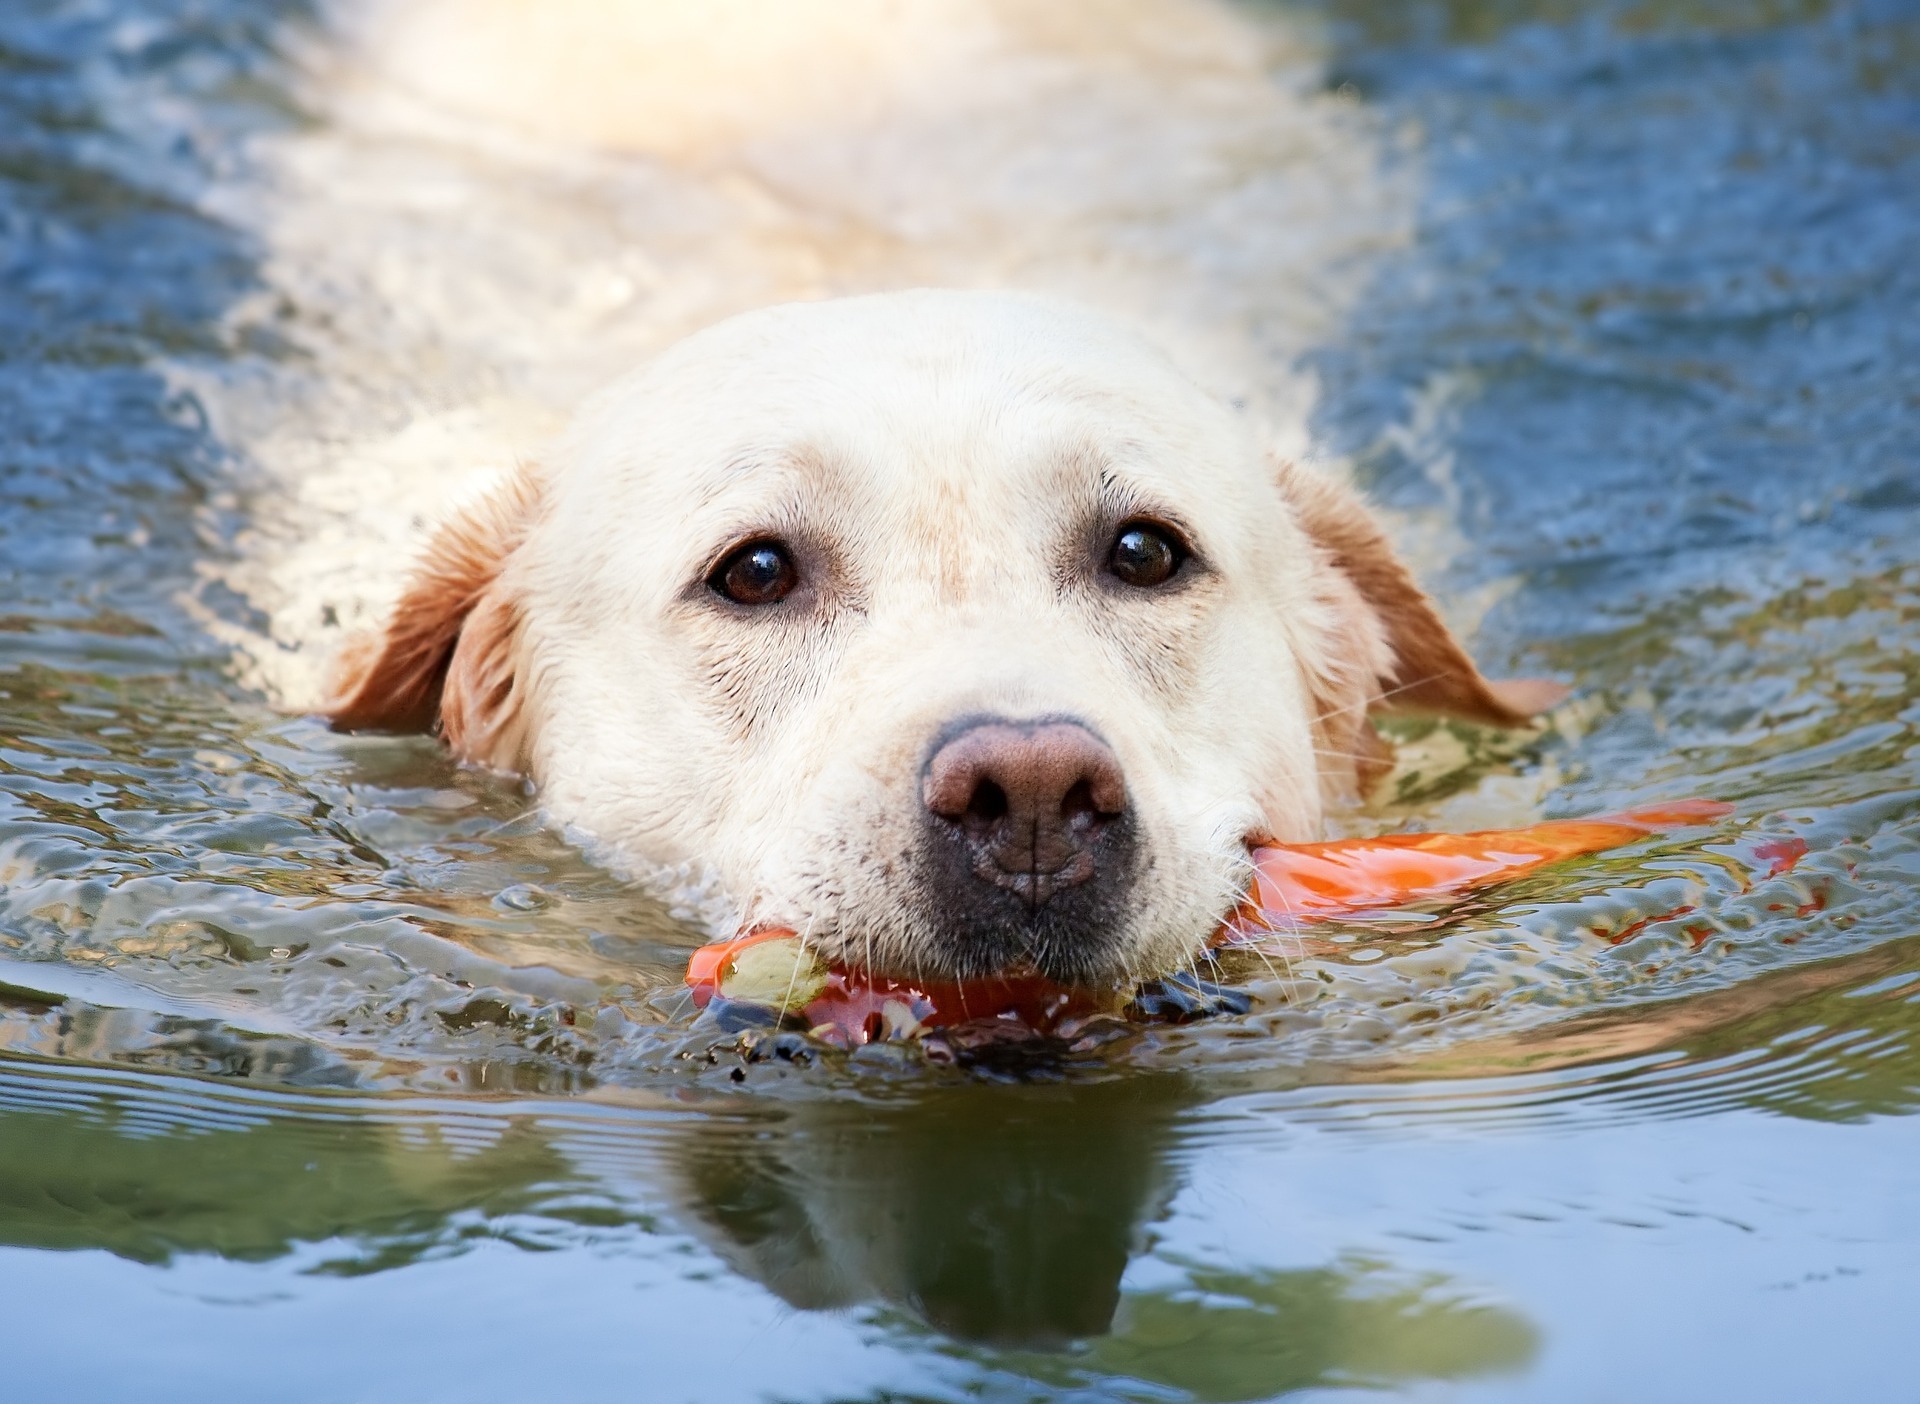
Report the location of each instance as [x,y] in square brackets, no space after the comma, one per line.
[880,400]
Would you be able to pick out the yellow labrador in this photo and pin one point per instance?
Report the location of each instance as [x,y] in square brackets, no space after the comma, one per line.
[957,631]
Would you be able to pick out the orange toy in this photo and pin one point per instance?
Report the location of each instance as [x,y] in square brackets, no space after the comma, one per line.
[771,971]
[1301,882]
[1293,884]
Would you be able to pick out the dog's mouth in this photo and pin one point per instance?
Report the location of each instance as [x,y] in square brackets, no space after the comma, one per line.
[770,980]
[766,984]
[1009,968]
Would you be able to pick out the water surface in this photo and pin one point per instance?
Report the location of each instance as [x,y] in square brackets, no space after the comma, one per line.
[326,1072]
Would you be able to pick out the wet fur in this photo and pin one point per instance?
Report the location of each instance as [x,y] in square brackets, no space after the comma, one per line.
[949,468]
[447,660]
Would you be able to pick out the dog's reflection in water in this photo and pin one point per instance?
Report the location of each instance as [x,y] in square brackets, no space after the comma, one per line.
[995,1214]
[1003,1219]
[997,1220]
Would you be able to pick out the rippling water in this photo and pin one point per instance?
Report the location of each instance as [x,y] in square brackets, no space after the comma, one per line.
[309,1040]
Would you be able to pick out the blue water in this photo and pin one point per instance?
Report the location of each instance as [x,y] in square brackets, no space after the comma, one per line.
[297,1102]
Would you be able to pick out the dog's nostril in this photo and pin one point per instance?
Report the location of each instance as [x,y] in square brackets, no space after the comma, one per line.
[1041,773]
[1079,801]
[1032,801]
[988,804]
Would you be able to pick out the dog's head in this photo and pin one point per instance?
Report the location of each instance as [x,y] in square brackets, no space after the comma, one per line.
[958,632]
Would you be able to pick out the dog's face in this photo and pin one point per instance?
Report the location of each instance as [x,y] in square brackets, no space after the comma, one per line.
[958,632]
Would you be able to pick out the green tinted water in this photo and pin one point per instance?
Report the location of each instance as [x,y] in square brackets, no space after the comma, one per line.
[327,1072]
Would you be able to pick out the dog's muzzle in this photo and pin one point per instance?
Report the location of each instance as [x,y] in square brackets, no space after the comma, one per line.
[1028,847]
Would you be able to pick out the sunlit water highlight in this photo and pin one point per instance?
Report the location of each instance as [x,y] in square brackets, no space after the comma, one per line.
[1618,319]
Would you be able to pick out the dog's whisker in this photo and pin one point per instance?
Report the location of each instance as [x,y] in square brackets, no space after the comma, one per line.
[799,959]
[1375,699]
[1345,755]
[1260,947]
[492,829]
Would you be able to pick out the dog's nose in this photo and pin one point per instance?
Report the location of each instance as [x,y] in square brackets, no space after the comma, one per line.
[1032,799]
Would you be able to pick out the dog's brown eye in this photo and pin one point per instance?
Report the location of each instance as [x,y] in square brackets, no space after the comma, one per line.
[1145,555]
[759,573]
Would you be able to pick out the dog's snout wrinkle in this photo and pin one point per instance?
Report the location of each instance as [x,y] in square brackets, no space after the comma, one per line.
[1032,798]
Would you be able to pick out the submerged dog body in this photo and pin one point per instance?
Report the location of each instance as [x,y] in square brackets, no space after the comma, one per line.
[956,631]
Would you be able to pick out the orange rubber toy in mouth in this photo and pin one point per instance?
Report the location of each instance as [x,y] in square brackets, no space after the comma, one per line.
[770,973]
[1301,882]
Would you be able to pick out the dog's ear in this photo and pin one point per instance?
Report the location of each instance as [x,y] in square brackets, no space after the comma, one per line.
[1417,664]
[446,658]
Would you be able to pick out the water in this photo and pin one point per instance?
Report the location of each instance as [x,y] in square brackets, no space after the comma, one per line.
[326,1072]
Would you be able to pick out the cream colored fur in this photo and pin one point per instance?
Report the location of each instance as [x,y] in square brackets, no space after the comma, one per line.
[950,469]
[510,202]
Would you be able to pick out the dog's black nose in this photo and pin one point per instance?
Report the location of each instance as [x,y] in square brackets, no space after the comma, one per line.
[1030,802]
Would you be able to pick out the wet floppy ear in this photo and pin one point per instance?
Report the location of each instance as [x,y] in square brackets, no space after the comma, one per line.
[1417,664]
[446,658]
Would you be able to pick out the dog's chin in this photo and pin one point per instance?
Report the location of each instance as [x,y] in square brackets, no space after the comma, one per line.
[974,922]
[1048,946]
[1055,946]
[987,958]
[929,917]
[1057,943]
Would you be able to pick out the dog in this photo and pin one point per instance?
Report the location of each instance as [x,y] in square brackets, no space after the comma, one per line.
[961,632]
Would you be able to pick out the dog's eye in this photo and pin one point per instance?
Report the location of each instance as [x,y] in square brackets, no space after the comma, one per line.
[1145,555]
[759,573]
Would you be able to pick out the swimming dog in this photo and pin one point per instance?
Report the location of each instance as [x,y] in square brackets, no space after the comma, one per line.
[958,630]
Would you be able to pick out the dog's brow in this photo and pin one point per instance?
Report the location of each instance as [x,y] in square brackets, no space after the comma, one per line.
[1120,498]
[755,490]
[803,466]
[711,535]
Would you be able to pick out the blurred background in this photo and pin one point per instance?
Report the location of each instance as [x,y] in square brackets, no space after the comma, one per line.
[326,1072]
